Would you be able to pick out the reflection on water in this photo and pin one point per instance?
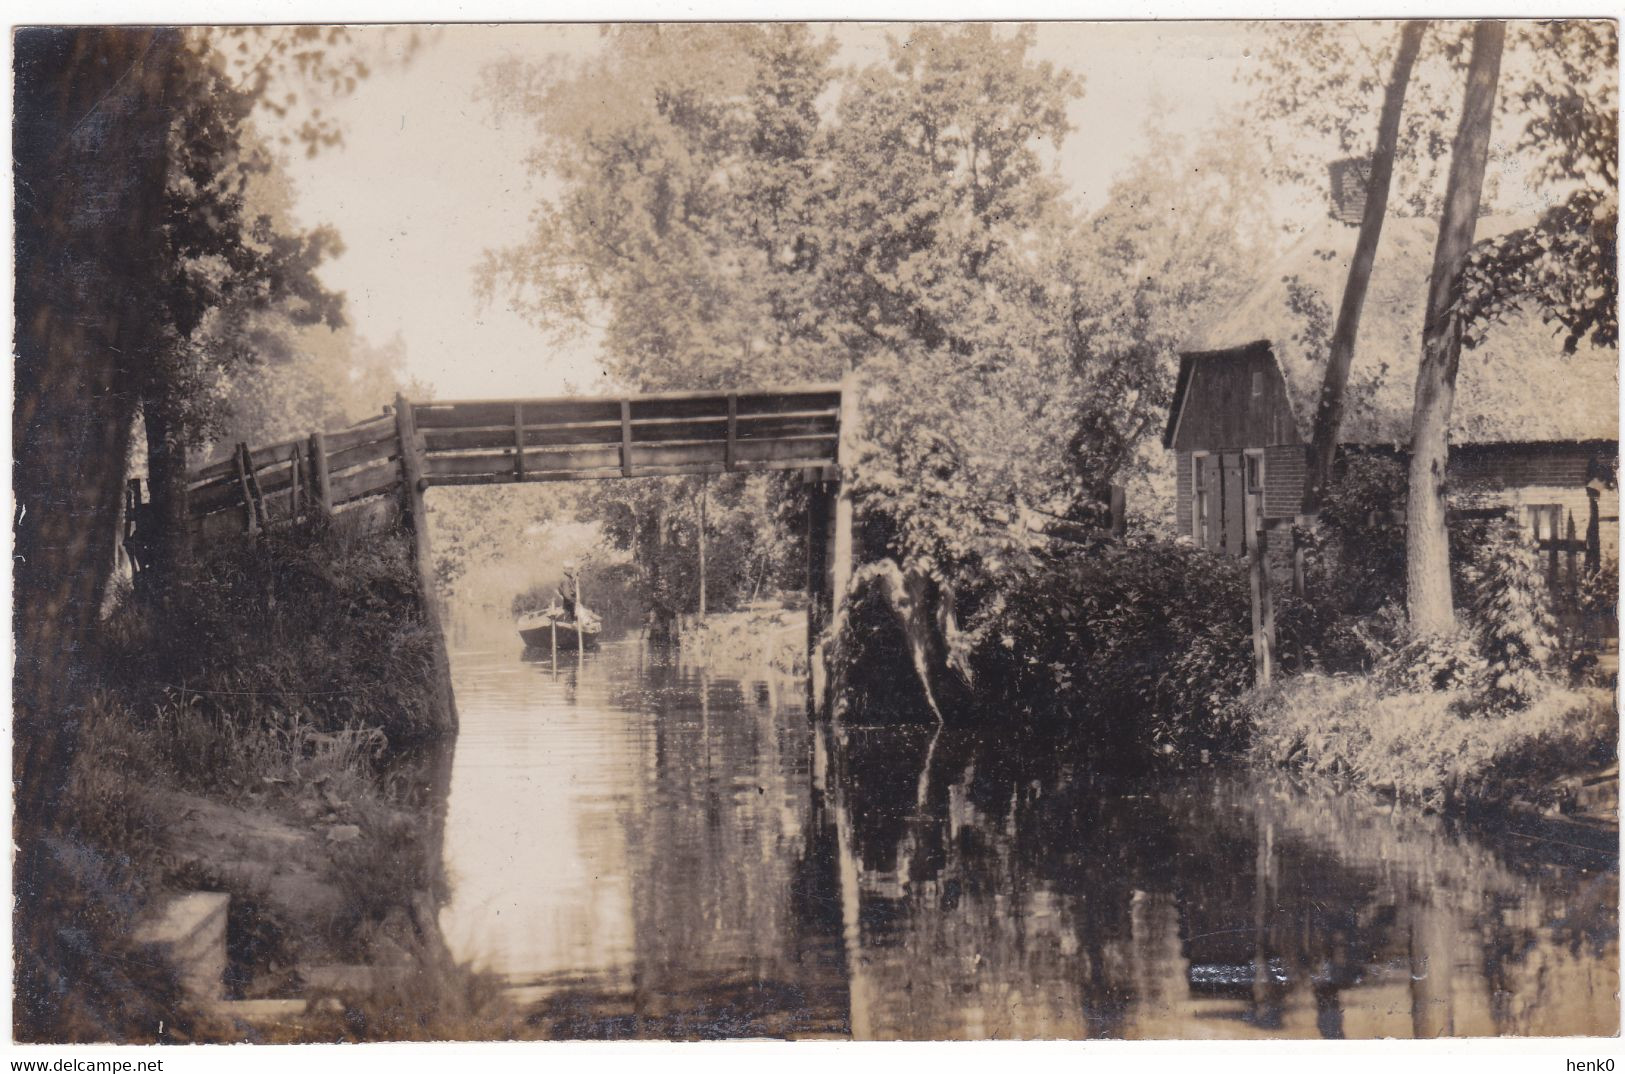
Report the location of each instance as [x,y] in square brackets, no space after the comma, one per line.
[643,850]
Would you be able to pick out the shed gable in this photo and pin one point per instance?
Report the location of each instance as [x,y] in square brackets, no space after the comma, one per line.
[1231,400]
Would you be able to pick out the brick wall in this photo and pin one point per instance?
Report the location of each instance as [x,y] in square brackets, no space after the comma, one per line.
[1285,470]
[1473,469]
[1530,474]
[1182,493]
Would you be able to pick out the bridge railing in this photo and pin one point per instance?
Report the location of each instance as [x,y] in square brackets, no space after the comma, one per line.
[259,487]
[501,441]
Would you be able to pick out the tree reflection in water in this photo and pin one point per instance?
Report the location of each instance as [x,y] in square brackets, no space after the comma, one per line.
[768,877]
[1223,905]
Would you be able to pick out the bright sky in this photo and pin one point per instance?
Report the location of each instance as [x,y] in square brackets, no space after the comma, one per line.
[428,180]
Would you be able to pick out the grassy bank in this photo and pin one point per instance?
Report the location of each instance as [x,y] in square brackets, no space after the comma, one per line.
[1436,749]
[268,731]
[767,642]
[1494,714]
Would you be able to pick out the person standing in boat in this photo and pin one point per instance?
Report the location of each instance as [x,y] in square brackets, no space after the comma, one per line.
[566,591]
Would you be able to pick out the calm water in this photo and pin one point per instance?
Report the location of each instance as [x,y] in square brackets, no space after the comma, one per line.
[640,848]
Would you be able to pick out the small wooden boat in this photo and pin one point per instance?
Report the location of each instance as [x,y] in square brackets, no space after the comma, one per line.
[555,626]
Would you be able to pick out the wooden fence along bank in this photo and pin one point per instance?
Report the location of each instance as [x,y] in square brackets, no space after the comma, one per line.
[397,457]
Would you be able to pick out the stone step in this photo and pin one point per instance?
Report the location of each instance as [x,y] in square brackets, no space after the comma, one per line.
[350,978]
[190,931]
[269,1013]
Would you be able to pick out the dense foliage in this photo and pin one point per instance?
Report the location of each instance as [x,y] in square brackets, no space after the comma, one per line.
[234,274]
[305,379]
[319,626]
[1509,601]
[1351,616]
[1136,649]
[1480,714]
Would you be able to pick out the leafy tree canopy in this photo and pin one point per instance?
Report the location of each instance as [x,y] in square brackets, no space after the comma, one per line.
[732,209]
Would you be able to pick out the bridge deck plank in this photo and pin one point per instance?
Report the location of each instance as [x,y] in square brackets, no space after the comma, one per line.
[759,427]
[803,451]
[687,469]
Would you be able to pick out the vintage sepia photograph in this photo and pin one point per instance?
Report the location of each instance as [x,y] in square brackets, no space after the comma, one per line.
[833,531]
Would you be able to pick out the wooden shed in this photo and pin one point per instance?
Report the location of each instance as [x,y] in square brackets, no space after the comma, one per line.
[1238,449]
[1533,428]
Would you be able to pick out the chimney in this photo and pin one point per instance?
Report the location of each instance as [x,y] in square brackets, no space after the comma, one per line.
[1349,179]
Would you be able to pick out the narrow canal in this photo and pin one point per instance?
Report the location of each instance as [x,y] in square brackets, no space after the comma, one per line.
[642,849]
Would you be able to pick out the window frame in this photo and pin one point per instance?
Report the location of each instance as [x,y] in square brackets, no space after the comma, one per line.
[1253,494]
[1199,499]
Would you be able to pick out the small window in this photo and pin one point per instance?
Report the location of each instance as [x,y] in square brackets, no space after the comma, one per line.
[1254,503]
[1258,383]
[1199,498]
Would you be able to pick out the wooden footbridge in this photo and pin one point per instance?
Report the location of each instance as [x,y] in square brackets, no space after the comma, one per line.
[415,446]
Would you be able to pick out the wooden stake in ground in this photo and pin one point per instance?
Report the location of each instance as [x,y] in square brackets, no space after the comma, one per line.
[1427,545]
[705,493]
[1258,575]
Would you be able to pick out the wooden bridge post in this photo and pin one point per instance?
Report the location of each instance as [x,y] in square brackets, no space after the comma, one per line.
[250,516]
[412,482]
[318,473]
[1258,571]
[259,518]
[840,569]
[413,516]
[827,685]
[297,495]
[819,517]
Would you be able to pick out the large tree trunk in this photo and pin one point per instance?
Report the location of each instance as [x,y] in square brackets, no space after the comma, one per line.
[91,160]
[89,143]
[1427,546]
[1329,414]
